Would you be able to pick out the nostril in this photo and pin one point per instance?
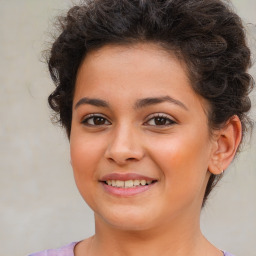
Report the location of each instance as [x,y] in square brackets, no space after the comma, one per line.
[122,161]
[131,159]
[121,154]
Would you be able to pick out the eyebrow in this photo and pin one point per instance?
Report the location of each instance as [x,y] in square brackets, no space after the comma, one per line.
[94,102]
[156,100]
[141,103]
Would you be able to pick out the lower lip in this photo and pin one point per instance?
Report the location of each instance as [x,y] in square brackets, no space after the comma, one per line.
[125,192]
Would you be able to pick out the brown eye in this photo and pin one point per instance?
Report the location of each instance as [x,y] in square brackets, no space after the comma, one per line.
[160,120]
[95,120]
[98,120]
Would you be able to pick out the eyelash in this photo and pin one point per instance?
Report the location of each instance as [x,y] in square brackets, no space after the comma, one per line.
[161,117]
[93,117]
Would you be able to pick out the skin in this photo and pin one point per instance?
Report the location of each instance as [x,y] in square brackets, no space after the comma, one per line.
[164,220]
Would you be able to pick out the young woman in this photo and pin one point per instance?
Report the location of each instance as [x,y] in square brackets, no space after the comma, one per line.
[153,96]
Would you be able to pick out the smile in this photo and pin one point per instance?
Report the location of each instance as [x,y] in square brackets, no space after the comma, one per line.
[128,183]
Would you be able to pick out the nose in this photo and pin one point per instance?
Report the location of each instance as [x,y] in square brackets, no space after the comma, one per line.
[124,146]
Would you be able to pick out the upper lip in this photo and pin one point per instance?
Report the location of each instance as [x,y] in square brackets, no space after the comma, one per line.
[125,176]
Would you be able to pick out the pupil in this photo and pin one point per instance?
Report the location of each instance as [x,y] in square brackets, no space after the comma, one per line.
[160,121]
[99,120]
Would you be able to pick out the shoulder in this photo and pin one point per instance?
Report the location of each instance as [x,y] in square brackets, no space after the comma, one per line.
[67,250]
[228,254]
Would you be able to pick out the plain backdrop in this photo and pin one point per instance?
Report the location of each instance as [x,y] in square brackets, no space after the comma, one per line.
[40,207]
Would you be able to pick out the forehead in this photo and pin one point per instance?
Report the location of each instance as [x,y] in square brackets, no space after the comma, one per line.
[135,59]
[152,53]
[130,71]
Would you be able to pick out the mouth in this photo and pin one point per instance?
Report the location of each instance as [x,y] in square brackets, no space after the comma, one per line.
[127,184]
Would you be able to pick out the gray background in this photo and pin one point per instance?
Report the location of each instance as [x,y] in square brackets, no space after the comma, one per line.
[39,205]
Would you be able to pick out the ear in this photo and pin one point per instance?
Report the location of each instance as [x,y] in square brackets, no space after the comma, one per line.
[225,144]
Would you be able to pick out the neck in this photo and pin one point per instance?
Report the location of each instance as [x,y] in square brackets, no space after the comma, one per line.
[169,239]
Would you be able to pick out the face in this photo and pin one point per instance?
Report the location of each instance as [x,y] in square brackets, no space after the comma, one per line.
[140,143]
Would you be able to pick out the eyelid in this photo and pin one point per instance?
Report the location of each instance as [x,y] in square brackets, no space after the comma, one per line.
[87,117]
[163,115]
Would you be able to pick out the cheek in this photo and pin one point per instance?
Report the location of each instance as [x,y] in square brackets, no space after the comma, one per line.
[85,155]
[85,158]
[183,161]
[84,150]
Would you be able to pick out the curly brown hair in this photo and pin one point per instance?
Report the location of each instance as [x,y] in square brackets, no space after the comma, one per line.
[206,34]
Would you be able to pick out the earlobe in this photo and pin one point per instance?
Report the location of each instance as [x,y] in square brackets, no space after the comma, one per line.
[226,143]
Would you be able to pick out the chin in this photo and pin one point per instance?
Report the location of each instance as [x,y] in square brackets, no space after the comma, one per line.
[127,219]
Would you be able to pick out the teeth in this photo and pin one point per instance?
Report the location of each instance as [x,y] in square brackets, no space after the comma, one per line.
[120,183]
[143,182]
[128,183]
[136,182]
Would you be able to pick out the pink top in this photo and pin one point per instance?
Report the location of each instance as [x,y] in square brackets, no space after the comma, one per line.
[68,250]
